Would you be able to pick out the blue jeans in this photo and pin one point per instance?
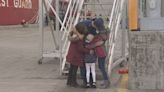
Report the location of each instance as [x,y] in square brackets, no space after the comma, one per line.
[101,64]
[82,72]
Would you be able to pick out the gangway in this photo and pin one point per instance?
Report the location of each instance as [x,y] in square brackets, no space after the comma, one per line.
[72,16]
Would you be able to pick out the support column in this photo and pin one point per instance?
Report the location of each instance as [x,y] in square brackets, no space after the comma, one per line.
[41,24]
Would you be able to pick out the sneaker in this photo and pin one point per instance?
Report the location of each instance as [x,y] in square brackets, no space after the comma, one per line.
[88,85]
[93,85]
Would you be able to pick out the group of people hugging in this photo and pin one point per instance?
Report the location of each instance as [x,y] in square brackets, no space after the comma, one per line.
[87,46]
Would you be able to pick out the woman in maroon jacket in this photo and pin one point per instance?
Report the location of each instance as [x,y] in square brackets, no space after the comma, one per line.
[76,53]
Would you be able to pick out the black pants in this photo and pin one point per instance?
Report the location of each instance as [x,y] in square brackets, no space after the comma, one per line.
[72,80]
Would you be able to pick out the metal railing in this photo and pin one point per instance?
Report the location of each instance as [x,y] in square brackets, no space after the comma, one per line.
[71,18]
[114,25]
[73,21]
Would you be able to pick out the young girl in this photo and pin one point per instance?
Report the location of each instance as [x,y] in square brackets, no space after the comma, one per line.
[99,46]
[90,60]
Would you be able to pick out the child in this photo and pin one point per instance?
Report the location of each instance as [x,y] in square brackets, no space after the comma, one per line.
[90,60]
[99,47]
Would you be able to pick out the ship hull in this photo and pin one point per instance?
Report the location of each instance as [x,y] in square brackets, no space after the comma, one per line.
[12,12]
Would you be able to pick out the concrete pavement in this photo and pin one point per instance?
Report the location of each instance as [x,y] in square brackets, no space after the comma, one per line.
[20,51]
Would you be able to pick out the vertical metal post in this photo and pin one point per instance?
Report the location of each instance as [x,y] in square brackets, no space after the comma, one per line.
[57,22]
[123,27]
[57,31]
[115,35]
[57,11]
[51,25]
[41,24]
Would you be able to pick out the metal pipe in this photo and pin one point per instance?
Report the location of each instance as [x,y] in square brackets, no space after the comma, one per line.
[53,10]
[57,12]
[69,18]
[111,16]
[51,26]
[65,17]
[113,45]
[114,15]
[69,26]
[77,18]
[41,24]
[71,21]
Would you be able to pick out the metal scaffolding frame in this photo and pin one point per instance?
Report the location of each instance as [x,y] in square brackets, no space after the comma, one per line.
[71,18]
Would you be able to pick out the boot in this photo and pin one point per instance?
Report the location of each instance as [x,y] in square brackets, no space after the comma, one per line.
[105,85]
[84,84]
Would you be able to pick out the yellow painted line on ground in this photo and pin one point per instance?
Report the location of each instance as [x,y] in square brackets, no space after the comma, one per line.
[123,84]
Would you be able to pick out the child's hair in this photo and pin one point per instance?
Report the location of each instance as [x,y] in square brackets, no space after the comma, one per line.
[81,28]
[99,23]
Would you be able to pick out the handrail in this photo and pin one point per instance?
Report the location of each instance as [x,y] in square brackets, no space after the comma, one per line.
[54,11]
[114,15]
[114,30]
[69,18]
[112,12]
[75,22]
[66,14]
[70,26]
[113,22]
[51,25]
